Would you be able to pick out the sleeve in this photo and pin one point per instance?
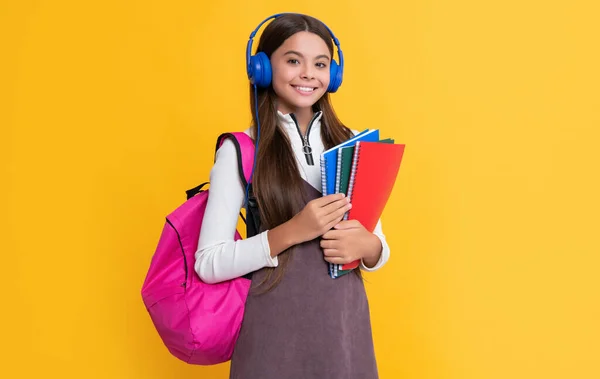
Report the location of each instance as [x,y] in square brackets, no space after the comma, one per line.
[218,257]
[385,250]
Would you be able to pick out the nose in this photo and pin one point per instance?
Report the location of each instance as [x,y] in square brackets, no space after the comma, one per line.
[307,72]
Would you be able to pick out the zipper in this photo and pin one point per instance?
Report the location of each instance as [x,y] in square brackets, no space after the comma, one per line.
[185,268]
[306,148]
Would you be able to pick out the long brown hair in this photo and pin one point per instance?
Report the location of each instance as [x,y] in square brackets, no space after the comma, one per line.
[277,184]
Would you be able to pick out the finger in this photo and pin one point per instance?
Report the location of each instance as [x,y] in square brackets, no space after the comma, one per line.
[329,225]
[348,224]
[336,260]
[331,254]
[339,213]
[325,200]
[329,244]
[332,235]
[332,208]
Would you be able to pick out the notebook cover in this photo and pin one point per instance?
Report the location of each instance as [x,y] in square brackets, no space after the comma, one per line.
[329,159]
[347,153]
[377,167]
[345,168]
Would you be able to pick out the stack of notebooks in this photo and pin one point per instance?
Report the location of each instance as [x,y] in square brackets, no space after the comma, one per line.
[364,168]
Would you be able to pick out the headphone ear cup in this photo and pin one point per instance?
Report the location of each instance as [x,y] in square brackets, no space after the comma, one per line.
[335,77]
[260,70]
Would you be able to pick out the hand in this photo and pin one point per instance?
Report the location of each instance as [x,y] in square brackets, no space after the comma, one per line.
[319,216]
[350,241]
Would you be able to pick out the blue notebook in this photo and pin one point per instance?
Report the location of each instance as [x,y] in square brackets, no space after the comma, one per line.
[329,159]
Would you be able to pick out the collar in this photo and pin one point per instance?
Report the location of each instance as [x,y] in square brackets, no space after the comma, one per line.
[288,122]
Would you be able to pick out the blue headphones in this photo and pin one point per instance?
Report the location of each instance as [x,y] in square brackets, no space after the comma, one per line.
[259,67]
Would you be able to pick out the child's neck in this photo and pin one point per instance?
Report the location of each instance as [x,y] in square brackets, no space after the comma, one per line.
[303,116]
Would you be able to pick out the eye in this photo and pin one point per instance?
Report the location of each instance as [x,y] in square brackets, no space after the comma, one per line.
[293,61]
[321,65]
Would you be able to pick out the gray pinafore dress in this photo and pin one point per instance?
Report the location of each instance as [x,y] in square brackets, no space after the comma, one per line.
[309,326]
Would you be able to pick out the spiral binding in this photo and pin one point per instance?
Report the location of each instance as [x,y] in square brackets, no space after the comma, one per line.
[323,177]
[353,174]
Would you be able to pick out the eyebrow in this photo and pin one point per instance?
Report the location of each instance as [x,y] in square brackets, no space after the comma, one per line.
[302,56]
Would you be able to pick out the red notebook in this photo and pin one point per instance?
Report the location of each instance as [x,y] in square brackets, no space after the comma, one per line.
[374,171]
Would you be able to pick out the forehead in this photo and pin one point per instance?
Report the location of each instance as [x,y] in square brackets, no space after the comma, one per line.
[306,43]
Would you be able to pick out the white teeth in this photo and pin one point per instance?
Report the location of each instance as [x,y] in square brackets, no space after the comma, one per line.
[305,89]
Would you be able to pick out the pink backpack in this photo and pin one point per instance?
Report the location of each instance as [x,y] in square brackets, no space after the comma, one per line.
[199,323]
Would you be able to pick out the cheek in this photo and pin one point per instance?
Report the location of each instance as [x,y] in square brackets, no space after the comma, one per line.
[280,82]
[282,73]
[279,85]
[281,78]
[324,76]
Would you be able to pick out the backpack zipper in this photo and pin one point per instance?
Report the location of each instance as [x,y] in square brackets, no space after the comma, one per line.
[185,268]
[306,148]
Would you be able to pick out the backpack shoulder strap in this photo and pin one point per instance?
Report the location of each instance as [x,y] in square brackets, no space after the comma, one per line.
[244,146]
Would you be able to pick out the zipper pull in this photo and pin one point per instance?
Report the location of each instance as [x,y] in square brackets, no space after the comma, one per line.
[308,152]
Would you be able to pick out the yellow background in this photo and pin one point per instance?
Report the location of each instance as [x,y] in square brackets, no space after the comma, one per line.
[110,110]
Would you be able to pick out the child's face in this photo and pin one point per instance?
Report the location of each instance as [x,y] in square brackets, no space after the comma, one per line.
[300,71]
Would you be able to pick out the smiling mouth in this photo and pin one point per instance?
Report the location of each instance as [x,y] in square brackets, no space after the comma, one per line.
[305,89]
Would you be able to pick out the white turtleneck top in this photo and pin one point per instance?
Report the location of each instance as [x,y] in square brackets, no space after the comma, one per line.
[219,257]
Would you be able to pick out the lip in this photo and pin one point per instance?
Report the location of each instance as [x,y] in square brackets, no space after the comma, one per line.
[305,93]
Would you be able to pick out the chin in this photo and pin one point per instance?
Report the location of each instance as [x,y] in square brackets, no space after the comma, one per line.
[304,102]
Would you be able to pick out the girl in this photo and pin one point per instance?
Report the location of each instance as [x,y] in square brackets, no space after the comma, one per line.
[299,323]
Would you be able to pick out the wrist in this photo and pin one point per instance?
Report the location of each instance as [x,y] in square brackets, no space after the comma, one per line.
[290,230]
[281,238]
[373,254]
